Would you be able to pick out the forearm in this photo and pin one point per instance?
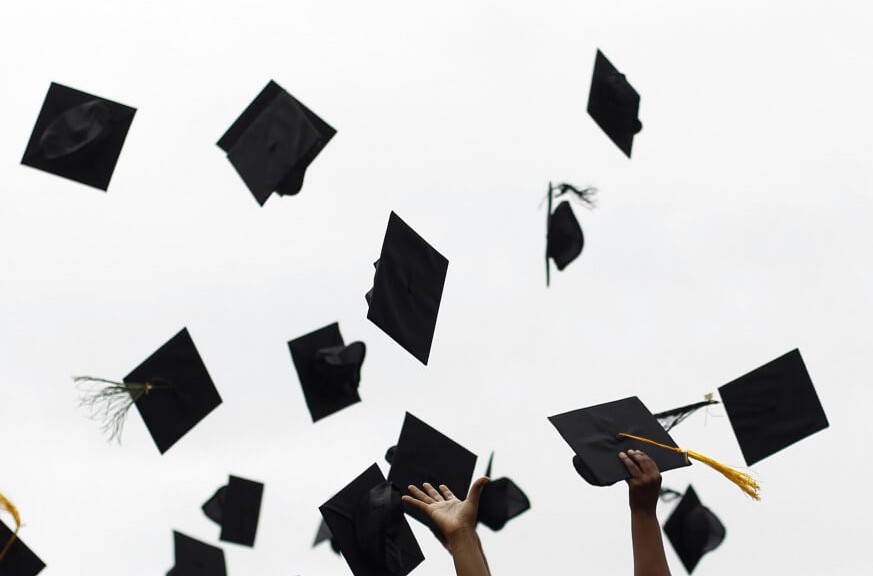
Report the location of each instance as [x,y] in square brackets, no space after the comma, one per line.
[649,558]
[467,554]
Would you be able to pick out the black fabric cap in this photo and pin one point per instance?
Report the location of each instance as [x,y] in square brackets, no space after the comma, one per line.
[323,534]
[693,530]
[196,558]
[593,434]
[183,392]
[614,104]
[78,136]
[407,288]
[367,523]
[273,142]
[773,407]
[564,236]
[501,500]
[329,371]
[19,559]
[236,507]
[423,454]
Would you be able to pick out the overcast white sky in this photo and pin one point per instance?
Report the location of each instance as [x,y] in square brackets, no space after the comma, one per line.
[739,230]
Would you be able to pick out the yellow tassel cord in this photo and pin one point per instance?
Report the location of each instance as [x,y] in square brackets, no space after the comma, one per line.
[742,479]
[5,504]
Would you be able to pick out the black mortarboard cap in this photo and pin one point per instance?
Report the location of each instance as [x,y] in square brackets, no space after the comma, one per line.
[424,454]
[501,500]
[407,288]
[273,142]
[593,434]
[19,559]
[78,136]
[183,392]
[196,558]
[773,407]
[236,507]
[323,534]
[614,104]
[329,371]
[367,523]
[693,530]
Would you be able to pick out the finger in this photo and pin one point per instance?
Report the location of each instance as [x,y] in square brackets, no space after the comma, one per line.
[419,495]
[431,491]
[447,494]
[631,466]
[417,504]
[646,464]
[476,490]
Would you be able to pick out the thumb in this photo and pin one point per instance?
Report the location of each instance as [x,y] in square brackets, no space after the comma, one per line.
[476,491]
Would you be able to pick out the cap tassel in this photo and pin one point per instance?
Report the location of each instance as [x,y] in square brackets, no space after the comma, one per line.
[109,400]
[5,504]
[742,479]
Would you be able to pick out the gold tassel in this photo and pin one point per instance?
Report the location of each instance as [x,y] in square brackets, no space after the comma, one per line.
[742,479]
[5,504]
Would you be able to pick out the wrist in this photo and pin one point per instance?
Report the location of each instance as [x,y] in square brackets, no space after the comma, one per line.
[644,514]
[461,537]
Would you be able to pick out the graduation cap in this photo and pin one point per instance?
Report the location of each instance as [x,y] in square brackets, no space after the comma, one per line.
[594,434]
[16,559]
[324,534]
[564,238]
[367,523]
[171,389]
[407,288]
[693,530]
[423,454]
[501,500]
[614,104]
[772,407]
[236,507]
[78,136]
[196,558]
[329,371]
[273,142]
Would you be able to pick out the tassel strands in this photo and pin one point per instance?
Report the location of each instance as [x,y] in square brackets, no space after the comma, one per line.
[109,401]
[8,506]
[742,479]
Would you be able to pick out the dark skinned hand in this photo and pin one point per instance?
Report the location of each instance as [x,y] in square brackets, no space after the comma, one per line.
[644,485]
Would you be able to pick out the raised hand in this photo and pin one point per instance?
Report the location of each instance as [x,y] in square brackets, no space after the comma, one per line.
[644,485]
[449,514]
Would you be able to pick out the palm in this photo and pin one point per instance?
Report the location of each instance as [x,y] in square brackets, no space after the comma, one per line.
[452,515]
[445,510]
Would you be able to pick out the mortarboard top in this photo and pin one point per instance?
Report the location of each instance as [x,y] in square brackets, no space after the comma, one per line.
[236,507]
[407,288]
[323,534]
[183,391]
[501,500]
[693,530]
[273,142]
[78,136]
[614,104]
[18,560]
[196,558]
[423,454]
[329,371]
[593,434]
[772,407]
[368,526]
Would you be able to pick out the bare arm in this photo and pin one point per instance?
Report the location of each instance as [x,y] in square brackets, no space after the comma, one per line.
[644,487]
[457,521]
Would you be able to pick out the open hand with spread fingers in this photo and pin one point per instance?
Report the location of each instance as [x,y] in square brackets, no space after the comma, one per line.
[451,515]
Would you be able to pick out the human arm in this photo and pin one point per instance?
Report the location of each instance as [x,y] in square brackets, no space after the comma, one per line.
[456,519]
[644,487]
